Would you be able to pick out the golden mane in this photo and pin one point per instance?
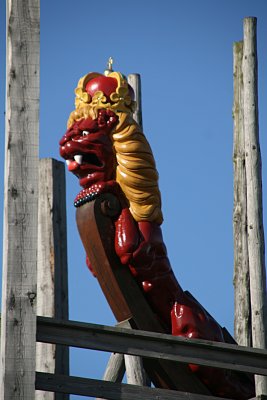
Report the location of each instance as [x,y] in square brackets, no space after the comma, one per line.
[136,170]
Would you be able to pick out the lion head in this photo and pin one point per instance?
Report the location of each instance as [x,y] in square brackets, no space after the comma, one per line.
[103,144]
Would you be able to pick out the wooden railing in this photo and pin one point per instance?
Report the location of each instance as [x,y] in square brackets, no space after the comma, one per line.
[145,344]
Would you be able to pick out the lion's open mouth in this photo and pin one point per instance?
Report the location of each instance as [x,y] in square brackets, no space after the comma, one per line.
[90,159]
[80,163]
[85,159]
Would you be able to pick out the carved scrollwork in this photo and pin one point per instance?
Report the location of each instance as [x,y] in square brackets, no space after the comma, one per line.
[110,205]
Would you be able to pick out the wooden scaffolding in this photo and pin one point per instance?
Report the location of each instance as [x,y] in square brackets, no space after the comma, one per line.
[26,247]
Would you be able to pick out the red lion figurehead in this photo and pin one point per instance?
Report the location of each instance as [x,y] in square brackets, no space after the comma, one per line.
[107,150]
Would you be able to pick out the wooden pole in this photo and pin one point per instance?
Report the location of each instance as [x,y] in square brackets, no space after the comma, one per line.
[52,273]
[242,323]
[18,330]
[135,372]
[135,81]
[116,366]
[254,194]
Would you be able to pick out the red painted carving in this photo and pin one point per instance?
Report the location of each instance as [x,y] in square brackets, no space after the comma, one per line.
[106,85]
[103,83]
[88,149]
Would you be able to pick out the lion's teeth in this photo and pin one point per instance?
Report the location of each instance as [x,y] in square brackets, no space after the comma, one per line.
[78,159]
[68,162]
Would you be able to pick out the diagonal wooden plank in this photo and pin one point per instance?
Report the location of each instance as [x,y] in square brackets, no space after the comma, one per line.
[94,221]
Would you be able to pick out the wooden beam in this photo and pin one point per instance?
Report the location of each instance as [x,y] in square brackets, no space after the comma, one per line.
[242,323]
[133,364]
[52,271]
[256,251]
[135,372]
[20,202]
[109,390]
[152,345]
[115,368]
[135,81]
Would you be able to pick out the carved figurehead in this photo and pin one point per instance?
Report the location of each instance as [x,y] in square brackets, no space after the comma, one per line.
[104,145]
[108,152]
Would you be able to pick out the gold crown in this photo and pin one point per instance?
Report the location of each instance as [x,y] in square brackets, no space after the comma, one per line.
[87,105]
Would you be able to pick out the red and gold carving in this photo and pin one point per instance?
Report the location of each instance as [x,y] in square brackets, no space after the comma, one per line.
[108,152]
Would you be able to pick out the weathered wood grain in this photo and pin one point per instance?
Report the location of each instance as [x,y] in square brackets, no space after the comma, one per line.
[52,271]
[20,202]
[109,390]
[134,365]
[152,345]
[135,372]
[242,315]
[135,81]
[115,368]
[256,251]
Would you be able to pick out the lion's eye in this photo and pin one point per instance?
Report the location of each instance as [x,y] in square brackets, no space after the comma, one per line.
[85,133]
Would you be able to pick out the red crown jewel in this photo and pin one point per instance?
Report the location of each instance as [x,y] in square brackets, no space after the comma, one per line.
[105,84]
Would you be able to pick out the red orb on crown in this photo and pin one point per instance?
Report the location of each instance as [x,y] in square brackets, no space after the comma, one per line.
[105,84]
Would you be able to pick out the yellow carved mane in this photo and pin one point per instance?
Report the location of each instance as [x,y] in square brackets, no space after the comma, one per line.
[136,170]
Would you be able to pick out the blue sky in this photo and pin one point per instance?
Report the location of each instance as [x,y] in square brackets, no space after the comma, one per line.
[183,51]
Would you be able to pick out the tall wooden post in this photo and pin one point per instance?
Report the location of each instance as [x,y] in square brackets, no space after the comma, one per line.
[135,81]
[135,372]
[18,327]
[241,264]
[254,194]
[52,273]
[117,363]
